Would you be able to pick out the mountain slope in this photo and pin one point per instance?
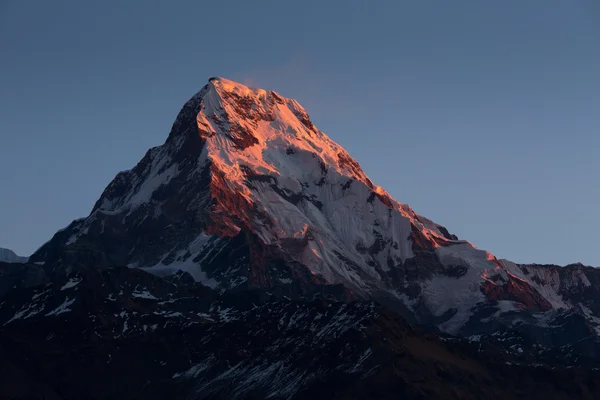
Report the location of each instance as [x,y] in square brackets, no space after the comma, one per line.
[247,193]
[122,333]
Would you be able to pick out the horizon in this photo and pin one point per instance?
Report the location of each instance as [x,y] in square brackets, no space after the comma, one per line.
[511,172]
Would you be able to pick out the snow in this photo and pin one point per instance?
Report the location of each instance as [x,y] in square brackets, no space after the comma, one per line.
[195,370]
[71,283]
[443,292]
[80,230]
[27,311]
[186,264]
[144,295]
[63,308]
[227,314]
[366,354]
[307,166]
[345,217]
[505,306]
[40,294]
[154,182]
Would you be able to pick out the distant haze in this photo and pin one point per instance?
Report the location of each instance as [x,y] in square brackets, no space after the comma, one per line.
[483,116]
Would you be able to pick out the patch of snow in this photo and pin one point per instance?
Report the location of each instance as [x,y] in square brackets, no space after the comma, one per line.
[195,370]
[71,283]
[40,294]
[63,308]
[144,295]
[237,281]
[153,181]
[186,264]
[367,353]
[80,228]
[173,315]
[27,311]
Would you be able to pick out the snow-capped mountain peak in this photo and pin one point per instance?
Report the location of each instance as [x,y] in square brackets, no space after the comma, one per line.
[246,191]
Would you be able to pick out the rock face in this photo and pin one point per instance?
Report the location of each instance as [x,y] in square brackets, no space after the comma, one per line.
[248,198]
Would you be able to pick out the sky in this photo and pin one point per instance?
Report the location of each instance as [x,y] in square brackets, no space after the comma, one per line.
[482,115]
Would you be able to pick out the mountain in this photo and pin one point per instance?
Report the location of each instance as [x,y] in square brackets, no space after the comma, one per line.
[246,192]
[249,210]
[9,256]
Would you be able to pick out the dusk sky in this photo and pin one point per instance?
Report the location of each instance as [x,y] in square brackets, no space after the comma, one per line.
[484,116]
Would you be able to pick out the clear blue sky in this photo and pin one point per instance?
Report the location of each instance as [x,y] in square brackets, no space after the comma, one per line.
[482,115]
